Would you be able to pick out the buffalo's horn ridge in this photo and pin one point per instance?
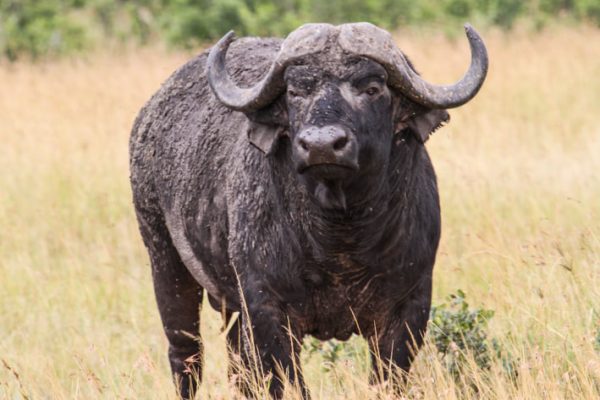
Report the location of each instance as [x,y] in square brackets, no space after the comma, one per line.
[448,96]
[241,99]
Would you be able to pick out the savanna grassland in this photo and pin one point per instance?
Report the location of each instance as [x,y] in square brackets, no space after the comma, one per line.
[519,176]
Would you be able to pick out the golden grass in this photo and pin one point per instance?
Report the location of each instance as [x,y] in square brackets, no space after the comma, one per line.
[518,173]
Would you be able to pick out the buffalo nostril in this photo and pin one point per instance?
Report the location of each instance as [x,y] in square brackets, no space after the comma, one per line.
[340,143]
[303,144]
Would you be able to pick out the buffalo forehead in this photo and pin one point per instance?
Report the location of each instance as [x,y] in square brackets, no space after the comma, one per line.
[359,38]
[330,66]
[364,38]
[306,40]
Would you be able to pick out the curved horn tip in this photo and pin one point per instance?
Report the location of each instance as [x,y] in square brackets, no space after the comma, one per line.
[227,39]
[471,32]
[217,53]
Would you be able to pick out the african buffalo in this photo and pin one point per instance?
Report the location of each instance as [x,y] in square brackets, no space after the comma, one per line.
[289,180]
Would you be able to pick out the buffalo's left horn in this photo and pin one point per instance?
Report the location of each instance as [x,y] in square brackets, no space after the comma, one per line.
[368,40]
[307,39]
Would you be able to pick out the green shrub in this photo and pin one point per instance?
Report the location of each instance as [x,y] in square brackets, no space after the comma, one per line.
[53,27]
[39,28]
[332,351]
[458,331]
[588,9]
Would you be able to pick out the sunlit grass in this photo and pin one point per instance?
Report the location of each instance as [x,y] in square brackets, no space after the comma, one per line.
[520,187]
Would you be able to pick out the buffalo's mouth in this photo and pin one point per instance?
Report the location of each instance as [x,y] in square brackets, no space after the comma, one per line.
[330,195]
[327,185]
[328,171]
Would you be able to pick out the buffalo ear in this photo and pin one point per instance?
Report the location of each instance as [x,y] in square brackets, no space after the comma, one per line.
[423,124]
[266,126]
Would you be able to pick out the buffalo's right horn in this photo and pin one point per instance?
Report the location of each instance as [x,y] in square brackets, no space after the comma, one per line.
[307,39]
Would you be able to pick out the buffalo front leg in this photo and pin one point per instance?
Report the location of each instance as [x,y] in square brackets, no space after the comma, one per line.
[270,347]
[394,348]
[178,297]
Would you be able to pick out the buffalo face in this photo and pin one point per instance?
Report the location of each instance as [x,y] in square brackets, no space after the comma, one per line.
[340,125]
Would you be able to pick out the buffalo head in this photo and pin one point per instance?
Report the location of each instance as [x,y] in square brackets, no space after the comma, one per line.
[340,94]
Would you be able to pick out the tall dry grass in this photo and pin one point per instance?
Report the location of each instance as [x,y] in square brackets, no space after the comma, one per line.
[519,178]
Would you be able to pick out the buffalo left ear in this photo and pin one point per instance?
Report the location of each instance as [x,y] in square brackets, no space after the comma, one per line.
[422,125]
[266,126]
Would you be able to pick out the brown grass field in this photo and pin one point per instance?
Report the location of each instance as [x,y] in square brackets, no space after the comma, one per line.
[519,175]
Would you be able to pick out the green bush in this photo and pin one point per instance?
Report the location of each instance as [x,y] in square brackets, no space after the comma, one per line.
[39,28]
[54,27]
[458,331]
[332,351]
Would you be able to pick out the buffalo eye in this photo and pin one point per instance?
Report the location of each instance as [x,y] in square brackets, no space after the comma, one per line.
[372,91]
[296,93]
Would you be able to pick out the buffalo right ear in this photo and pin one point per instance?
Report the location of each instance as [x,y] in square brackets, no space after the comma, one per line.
[423,123]
[266,126]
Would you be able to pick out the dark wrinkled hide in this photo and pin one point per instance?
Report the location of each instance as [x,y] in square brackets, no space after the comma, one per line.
[331,258]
